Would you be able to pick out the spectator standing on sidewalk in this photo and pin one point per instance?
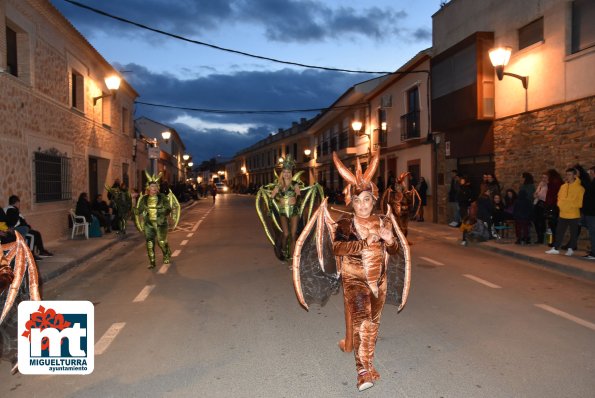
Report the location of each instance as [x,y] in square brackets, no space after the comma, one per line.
[589,211]
[464,197]
[485,208]
[493,185]
[509,200]
[539,208]
[453,204]
[522,213]
[554,182]
[570,201]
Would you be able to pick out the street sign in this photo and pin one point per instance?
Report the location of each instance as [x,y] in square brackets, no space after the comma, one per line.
[154,152]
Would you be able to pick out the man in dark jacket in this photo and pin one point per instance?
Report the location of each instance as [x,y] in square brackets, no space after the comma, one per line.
[589,211]
[16,222]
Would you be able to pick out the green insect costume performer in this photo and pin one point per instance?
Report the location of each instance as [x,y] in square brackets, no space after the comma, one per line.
[122,206]
[150,217]
[280,206]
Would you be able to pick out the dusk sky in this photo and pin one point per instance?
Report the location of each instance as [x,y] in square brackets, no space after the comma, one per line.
[346,34]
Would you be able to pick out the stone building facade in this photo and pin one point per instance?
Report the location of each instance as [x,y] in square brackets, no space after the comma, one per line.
[557,137]
[56,140]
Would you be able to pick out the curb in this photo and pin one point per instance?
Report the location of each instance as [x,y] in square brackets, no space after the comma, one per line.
[76,262]
[565,269]
[589,275]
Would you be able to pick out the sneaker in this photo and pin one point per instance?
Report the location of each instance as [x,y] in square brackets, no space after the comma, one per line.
[453,224]
[569,252]
[589,256]
[45,253]
[37,258]
[463,243]
[553,250]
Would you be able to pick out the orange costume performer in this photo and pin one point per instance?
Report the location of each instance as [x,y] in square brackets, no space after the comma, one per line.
[370,255]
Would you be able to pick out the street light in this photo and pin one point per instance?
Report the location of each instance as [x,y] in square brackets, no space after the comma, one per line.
[499,57]
[113,84]
[190,164]
[185,156]
[356,125]
[166,135]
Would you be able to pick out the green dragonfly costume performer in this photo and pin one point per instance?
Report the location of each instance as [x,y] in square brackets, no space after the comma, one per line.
[150,217]
[280,206]
[122,206]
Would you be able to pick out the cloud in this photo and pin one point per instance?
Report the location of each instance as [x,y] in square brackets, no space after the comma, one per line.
[207,134]
[422,34]
[280,20]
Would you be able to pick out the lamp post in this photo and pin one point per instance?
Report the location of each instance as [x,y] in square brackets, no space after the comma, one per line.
[112,83]
[307,158]
[356,125]
[499,58]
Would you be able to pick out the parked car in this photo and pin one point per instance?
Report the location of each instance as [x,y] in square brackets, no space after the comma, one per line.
[221,187]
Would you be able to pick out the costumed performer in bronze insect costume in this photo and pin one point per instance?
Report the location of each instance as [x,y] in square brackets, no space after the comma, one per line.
[150,217]
[405,203]
[280,206]
[16,263]
[370,255]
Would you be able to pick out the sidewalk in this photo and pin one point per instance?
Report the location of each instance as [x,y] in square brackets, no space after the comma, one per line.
[574,265]
[69,253]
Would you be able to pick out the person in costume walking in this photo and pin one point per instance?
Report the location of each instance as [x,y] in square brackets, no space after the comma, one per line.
[369,254]
[150,216]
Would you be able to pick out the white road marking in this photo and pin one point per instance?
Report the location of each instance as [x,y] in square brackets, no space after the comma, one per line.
[184,242]
[163,269]
[196,226]
[566,315]
[190,235]
[107,338]
[482,281]
[176,253]
[429,260]
[143,293]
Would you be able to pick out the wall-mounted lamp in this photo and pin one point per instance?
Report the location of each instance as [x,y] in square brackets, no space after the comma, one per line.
[307,153]
[499,57]
[280,160]
[243,168]
[185,157]
[356,125]
[113,84]
[190,164]
[383,126]
[221,172]
[166,135]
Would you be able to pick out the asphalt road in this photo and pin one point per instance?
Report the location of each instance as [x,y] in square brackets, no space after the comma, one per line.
[223,321]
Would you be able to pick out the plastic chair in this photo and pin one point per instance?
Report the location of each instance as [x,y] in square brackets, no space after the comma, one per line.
[31,240]
[79,223]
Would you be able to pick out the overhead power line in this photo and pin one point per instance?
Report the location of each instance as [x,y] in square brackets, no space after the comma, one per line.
[254,112]
[179,37]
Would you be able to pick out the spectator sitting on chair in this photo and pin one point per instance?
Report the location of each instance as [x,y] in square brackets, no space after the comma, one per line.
[485,208]
[509,199]
[102,211]
[472,228]
[16,222]
[83,208]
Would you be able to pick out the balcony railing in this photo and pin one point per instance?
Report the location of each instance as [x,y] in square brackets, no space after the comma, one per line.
[410,126]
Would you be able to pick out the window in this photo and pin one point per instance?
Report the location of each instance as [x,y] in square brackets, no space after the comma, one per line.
[583,28]
[410,120]
[52,176]
[531,33]
[11,52]
[77,91]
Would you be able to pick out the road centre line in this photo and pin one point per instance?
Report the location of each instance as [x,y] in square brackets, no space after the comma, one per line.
[196,226]
[482,281]
[176,253]
[107,338]
[190,235]
[184,242]
[143,293]
[566,315]
[429,260]
[163,268]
